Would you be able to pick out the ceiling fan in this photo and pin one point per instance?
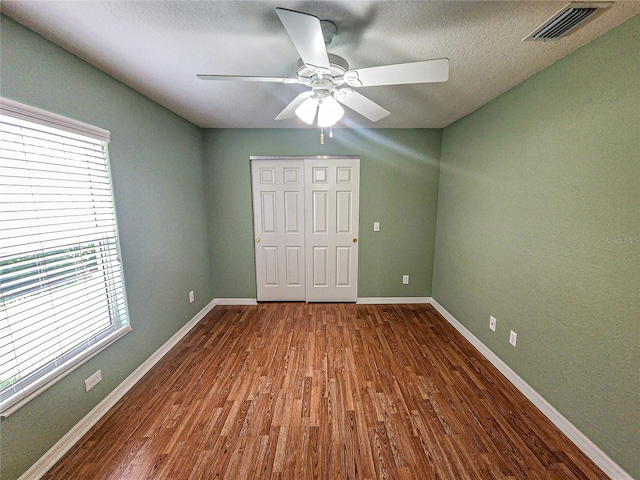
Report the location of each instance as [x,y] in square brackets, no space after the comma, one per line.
[331,81]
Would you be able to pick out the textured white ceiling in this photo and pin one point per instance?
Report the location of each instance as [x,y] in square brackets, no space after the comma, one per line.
[158,47]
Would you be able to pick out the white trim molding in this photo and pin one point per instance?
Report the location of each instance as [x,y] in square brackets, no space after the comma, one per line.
[235,301]
[48,119]
[52,379]
[360,301]
[589,448]
[391,300]
[62,446]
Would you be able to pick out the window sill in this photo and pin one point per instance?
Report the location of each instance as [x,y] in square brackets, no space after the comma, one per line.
[17,401]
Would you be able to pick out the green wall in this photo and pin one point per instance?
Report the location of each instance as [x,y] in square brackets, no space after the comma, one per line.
[399,171]
[160,196]
[539,225]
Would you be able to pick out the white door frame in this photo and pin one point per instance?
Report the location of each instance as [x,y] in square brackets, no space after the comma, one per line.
[342,293]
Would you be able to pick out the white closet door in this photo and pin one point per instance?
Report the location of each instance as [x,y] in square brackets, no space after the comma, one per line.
[278,210]
[332,190]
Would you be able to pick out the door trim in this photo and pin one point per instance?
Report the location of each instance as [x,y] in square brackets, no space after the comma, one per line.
[304,157]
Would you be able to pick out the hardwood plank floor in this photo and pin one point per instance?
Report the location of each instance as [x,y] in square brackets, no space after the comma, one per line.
[324,391]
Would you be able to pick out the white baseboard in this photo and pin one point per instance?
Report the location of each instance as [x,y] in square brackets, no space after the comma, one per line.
[365,300]
[589,448]
[392,300]
[235,301]
[62,446]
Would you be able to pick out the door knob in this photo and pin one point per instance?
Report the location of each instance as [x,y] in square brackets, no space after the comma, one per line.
[355,240]
[257,240]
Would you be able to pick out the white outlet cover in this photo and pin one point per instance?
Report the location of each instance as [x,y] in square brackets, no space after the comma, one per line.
[376,226]
[192,297]
[492,323]
[92,381]
[405,279]
[513,338]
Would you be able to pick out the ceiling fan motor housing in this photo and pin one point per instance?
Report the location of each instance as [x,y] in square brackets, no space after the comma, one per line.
[338,66]
[323,81]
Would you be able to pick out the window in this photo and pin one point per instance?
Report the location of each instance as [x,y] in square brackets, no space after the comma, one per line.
[62,296]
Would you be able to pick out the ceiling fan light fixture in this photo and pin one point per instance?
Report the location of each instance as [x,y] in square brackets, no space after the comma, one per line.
[326,74]
[307,110]
[329,112]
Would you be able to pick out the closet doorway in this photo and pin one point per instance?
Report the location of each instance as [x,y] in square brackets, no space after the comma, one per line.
[305,220]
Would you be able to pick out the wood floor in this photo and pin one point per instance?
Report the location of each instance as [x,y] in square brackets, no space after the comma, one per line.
[326,391]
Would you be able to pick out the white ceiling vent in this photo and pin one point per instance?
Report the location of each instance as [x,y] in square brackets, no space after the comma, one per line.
[570,17]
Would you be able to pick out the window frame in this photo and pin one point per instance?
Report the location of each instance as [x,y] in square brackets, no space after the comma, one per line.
[77,356]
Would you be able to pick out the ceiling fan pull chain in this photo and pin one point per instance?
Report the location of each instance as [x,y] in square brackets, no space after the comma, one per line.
[321,135]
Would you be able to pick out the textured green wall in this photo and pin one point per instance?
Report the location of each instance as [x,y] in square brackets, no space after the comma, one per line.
[539,226]
[158,174]
[398,187]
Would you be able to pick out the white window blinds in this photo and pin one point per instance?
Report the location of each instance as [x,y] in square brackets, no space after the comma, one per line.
[62,296]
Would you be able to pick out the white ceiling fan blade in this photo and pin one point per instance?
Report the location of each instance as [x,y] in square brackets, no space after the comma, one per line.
[361,104]
[426,71]
[306,35]
[290,110]
[244,78]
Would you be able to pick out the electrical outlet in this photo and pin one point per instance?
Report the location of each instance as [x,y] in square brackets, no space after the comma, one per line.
[513,337]
[492,323]
[192,296]
[405,279]
[376,226]
[92,381]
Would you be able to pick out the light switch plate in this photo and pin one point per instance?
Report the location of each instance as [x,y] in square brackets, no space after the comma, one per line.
[376,226]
